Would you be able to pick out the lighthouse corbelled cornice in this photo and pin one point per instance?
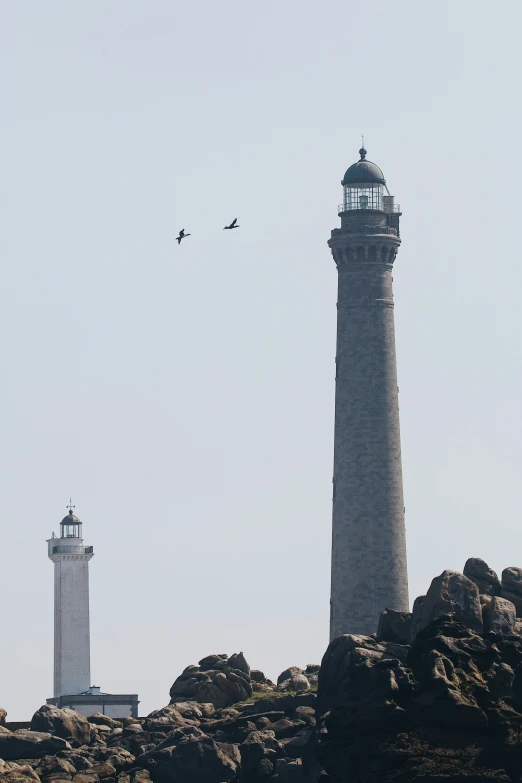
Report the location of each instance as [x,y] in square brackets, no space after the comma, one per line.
[369,572]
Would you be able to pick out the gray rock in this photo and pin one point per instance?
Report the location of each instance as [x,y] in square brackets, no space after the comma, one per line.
[213,662]
[3,715]
[312,673]
[306,714]
[484,577]
[103,720]
[191,710]
[85,777]
[342,654]
[450,594]
[134,776]
[252,751]
[215,681]
[284,727]
[52,767]
[287,674]
[23,744]
[394,626]
[294,746]
[442,700]
[189,755]
[257,676]
[64,723]
[289,771]
[500,679]
[103,769]
[168,717]
[511,588]
[119,758]
[499,616]
[17,773]
[416,617]
[298,683]
[238,661]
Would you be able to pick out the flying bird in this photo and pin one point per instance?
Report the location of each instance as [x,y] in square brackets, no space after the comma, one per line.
[232,225]
[182,235]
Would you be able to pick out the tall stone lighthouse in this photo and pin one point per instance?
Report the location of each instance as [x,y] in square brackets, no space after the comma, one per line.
[369,571]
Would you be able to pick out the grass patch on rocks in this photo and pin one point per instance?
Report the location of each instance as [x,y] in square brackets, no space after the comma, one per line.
[274,694]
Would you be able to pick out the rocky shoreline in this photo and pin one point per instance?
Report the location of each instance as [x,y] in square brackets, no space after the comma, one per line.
[434,695]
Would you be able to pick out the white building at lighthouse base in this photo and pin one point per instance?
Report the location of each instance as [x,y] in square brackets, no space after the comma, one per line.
[114,705]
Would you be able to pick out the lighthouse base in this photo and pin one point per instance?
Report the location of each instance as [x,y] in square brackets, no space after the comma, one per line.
[114,705]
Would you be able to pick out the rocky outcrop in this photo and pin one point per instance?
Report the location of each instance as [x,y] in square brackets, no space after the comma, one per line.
[262,739]
[450,593]
[484,577]
[190,754]
[499,616]
[394,626]
[64,723]
[260,682]
[293,679]
[17,773]
[455,690]
[216,680]
[25,744]
[511,588]
[446,707]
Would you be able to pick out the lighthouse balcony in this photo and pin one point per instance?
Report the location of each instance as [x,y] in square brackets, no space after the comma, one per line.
[72,550]
[365,206]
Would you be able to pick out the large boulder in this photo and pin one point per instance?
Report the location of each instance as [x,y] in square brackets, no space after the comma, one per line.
[23,744]
[3,715]
[450,594]
[189,755]
[416,617]
[215,680]
[511,588]
[394,626]
[287,674]
[99,719]
[238,661]
[17,773]
[53,768]
[296,679]
[166,719]
[345,653]
[62,723]
[312,673]
[484,577]
[499,616]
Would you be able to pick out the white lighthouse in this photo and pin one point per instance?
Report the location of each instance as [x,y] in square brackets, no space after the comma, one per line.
[72,646]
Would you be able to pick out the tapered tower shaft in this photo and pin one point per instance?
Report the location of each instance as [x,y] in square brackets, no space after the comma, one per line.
[369,571]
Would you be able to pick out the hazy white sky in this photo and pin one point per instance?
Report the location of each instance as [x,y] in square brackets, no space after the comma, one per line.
[184,395]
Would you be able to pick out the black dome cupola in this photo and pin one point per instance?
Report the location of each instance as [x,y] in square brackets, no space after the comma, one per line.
[364,186]
[71,525]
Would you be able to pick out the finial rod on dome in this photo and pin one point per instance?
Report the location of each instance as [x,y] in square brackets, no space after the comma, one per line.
[362,151]
[70,506]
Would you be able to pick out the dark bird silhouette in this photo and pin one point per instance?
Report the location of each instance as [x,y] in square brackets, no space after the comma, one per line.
[182,235]
[232,225]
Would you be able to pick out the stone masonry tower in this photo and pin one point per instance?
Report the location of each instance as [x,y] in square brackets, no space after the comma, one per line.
[368,538]
[72,653]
